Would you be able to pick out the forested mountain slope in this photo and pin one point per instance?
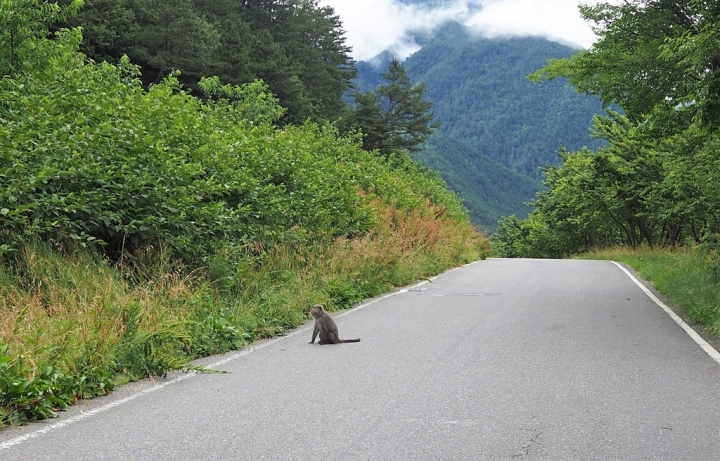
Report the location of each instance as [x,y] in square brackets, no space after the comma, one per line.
[483,98]
[490,190]
[482,95]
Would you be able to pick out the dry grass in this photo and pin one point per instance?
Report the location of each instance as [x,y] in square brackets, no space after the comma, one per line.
[84,318]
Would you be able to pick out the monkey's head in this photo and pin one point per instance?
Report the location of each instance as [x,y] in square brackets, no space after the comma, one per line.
[317,311]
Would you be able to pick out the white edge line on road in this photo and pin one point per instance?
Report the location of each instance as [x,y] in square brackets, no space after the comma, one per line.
[704,345]
[233,356]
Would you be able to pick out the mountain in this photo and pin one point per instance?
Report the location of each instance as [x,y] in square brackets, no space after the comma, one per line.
[493,114]
[482,95]
[489,190]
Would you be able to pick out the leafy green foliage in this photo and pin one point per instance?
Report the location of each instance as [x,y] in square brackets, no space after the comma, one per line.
[527,238]
[656,181]
[24,21]
[89,156]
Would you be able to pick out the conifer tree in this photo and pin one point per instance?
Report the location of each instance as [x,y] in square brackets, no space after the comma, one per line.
[394,117]
[297,47]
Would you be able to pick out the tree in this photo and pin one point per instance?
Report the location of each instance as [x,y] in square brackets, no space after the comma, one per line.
[297,47]
[394,117]
[649,54]
[109,28]
[23,20]
[313,39]
[173,35]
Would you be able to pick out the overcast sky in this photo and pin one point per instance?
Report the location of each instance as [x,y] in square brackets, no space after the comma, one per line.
[373,26]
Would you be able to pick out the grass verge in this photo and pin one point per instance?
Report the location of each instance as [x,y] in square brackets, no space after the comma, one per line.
[689,278]
[72,326]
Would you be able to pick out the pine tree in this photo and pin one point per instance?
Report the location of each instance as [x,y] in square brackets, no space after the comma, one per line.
[297,47]
[394,117]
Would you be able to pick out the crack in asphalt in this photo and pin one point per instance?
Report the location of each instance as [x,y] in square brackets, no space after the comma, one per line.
[534,440]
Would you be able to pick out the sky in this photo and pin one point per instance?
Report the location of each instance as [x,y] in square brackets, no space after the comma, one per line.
[373,26]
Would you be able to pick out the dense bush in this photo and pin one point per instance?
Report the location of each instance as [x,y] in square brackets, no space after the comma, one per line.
[88,156]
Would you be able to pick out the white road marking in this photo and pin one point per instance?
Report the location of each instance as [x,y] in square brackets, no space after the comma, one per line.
[87,414]
[229,358]
[714,354]
[704,345]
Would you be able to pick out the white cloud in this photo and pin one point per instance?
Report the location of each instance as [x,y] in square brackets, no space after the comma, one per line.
[373,26]
[555,19]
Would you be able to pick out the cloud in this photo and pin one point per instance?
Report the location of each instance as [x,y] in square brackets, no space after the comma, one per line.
[557,20]
[373,26]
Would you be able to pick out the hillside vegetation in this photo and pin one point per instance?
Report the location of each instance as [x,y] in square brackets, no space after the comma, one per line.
[483,97]
[142,227]
[490,191]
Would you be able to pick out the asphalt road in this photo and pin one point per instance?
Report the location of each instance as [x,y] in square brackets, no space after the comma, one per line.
[502,359]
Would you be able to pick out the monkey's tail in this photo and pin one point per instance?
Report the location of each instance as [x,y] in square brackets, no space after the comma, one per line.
[350,340]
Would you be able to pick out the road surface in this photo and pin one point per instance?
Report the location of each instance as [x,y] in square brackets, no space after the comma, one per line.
[502,359]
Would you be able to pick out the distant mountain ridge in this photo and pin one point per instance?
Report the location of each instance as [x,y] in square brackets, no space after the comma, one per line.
[482,95]
[506,127]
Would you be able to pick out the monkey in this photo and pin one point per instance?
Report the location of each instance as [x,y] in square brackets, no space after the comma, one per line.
[326,327]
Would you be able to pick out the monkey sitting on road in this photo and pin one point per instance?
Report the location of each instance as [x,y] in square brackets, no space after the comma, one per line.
[325,325]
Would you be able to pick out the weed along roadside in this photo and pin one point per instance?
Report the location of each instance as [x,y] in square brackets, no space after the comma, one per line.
[75,327]
[688,277]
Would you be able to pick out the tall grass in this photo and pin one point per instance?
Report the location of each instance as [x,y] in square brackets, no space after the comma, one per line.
[72,326]
[688,277]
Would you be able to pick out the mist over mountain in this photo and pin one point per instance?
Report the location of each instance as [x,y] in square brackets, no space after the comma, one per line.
[374,26]
[498,128]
